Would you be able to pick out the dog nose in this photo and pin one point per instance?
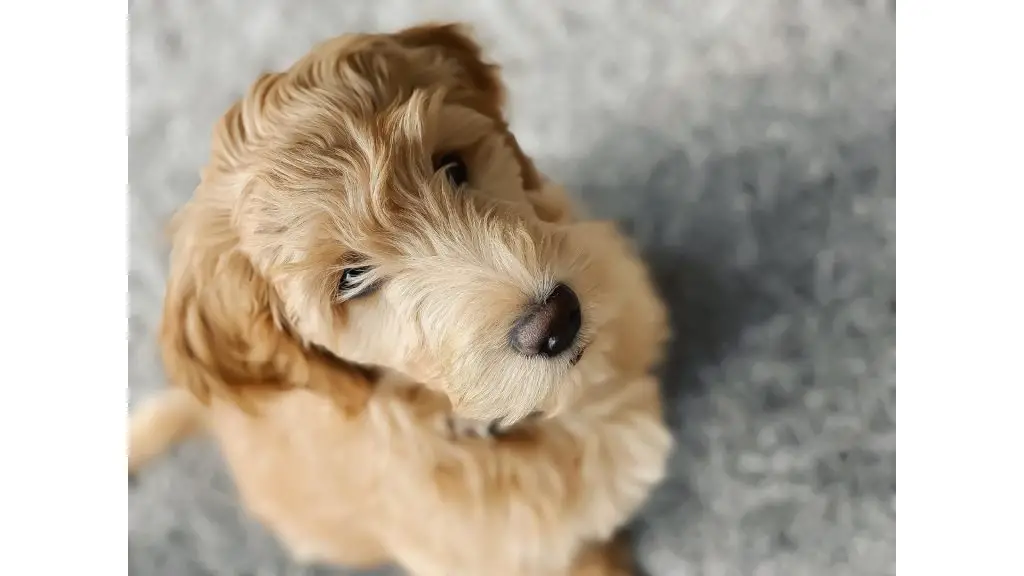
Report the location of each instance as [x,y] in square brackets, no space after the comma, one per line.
[549,328]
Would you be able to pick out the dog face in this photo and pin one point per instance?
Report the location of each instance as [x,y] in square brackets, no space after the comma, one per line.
[377,201]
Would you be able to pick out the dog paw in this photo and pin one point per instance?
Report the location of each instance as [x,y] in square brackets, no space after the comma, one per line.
[466,428]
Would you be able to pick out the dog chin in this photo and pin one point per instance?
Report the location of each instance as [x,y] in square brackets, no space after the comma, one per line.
[578,356]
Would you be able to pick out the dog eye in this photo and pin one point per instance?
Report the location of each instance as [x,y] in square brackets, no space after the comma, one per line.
[350,282]
[453,164]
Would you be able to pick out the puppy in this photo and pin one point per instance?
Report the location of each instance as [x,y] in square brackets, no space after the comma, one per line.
[408,345]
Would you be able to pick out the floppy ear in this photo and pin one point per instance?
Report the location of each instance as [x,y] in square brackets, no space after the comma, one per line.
[454,44]
[223,331]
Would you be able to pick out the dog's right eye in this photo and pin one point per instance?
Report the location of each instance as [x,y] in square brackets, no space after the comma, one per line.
[455,167]
[350,284]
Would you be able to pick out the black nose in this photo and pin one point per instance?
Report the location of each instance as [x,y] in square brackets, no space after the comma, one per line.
[549,328]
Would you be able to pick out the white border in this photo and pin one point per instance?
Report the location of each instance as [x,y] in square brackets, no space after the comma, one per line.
[960,157]
[63,287]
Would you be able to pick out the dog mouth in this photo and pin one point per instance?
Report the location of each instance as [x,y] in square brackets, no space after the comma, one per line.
[576,357]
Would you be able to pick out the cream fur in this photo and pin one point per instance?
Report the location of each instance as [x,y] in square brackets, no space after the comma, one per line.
[343,419]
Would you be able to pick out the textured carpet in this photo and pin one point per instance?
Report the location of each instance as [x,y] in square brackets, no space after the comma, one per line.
[748,146]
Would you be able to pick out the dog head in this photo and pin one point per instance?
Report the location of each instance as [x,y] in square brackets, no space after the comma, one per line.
[371,202]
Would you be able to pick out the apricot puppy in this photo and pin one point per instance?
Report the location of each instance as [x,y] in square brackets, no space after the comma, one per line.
[408,346]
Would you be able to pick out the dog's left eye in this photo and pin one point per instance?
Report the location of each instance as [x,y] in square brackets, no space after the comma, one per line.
[453,164]
[350,284]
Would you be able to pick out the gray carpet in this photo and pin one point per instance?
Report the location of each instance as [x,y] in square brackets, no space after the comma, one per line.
[749,146]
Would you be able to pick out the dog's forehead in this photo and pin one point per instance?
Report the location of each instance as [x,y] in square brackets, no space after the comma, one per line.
[356,149]
[365,177]
[371,72]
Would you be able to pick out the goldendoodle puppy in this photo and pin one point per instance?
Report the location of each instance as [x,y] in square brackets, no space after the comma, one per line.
[408,346]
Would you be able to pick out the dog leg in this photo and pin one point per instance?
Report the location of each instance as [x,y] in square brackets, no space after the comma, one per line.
[159,423]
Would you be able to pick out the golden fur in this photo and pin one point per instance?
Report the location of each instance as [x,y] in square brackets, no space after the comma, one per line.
[344,420]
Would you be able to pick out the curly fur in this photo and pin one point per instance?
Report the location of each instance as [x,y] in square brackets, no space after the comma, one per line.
[336,414]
